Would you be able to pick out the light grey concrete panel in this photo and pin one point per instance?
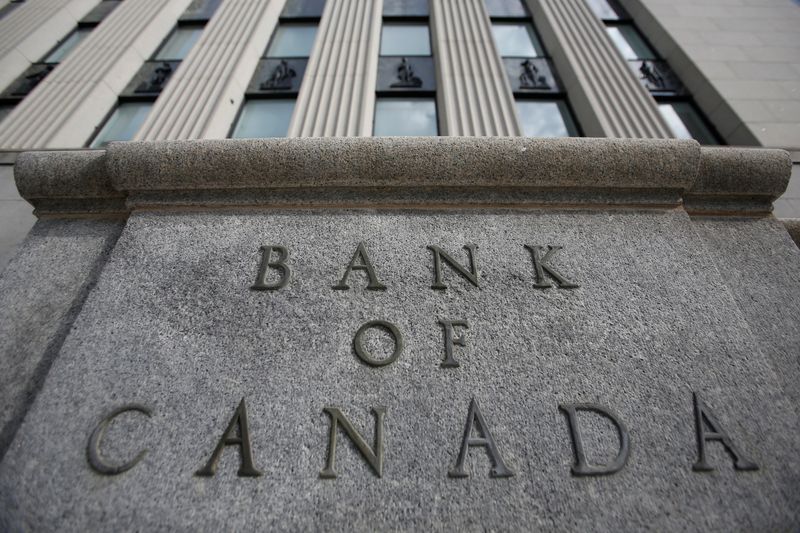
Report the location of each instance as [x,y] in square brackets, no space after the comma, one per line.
[41,291]
[762,271]
[172,324]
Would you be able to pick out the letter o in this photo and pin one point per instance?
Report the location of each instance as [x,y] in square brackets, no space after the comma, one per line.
[96,460]
[365,356]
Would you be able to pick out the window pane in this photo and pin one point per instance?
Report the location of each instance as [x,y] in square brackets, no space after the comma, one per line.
[402,117]
[405,8]
[545,118]
[506,8]
[685,122]
[294,40]
[405,40]
[5,110]
[264,118]
[303,8]
[58,55]
[630,43]
[123,124]
[603,9]
[516,40]
[179,43]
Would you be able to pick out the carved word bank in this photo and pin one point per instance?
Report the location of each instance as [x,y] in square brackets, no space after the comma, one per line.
[274,273]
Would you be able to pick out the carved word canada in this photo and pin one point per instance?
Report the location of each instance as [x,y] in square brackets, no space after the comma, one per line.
[477,432]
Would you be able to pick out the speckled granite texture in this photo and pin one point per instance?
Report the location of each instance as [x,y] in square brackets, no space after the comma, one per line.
[172,324]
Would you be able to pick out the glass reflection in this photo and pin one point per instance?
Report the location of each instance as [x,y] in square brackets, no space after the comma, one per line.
[685,122]
[405,40]
[264,118]
[123,124]
[630,43]
[295,40]
[179,43]
[516,40]
[405,116]
[545,118]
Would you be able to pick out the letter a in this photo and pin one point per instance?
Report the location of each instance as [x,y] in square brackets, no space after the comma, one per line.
[499,468]
[366,265]
[703,417]
[229,438]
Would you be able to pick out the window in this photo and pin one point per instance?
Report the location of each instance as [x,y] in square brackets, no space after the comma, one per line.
[517,40]
[66,46]
[545,118]
[123,124]
[405,99]
[541,103]
[136,100]
[506,9]
[405,116]
[270,97]
[405,40]
[655,74]
[630,43]
[5,110]
[179,43]
[264,118]
[405,8]
[38,71]
[99,13]
[292,40]
[685,122]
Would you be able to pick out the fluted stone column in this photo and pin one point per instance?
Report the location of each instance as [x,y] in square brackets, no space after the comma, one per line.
[474,93]
[32,29]
[205,93]
[337,97]
[605,94]
[66,107]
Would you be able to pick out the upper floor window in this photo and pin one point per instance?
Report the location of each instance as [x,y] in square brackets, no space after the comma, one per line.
[516,40]
[405,8]
[405,117]
[123,123]
[292,40]
[405,40]
[66,46]
[179,43]
[630,43]
[506,9]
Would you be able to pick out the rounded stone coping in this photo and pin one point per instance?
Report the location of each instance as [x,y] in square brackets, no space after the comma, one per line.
[743,171]
[573,165]
[63,174]
[403,162]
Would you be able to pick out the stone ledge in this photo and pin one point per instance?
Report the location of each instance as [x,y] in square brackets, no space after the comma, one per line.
[405,170]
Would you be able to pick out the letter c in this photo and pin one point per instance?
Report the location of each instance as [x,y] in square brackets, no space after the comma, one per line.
[96,460]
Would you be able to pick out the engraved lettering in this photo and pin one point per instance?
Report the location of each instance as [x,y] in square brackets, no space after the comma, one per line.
[374,457]
[703,418]
[485,440]
[96,460]
[231,438]
[438,254]
[364,355]
[582,466]
[360,261]
[267,264]
[542,265]
[450,340]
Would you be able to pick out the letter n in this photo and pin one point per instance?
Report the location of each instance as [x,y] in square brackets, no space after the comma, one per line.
[373,456]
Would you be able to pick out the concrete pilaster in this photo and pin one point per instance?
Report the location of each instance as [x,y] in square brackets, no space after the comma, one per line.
[66,107]
[474,94]
[337,97]
[202,98]
[607,98]
[32,29]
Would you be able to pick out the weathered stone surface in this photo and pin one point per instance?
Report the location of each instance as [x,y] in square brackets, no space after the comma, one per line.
[41,292]
[762,270]
[792,226]
[172,324]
